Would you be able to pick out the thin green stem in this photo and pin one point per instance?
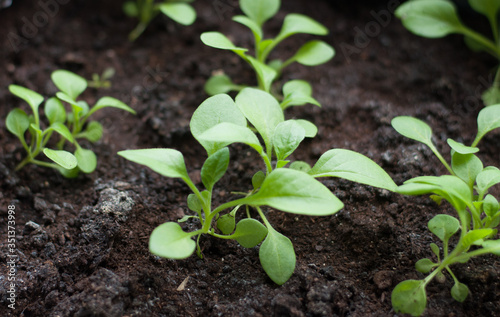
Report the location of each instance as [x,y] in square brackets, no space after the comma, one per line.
[492,48]
[441,158]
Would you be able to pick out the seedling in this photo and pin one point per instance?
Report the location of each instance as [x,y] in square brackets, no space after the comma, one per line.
[218,122]
[466,189]
[146,10]
[71,126]
[103,80]
[438,18]
[257,12]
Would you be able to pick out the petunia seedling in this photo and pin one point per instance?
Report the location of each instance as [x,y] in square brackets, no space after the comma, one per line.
[103,80]
[70,125]
[438,18]
[466,189]
[146,10]
[312,53]
[221,121]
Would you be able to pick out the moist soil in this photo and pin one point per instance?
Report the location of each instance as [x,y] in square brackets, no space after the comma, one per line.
[82,244]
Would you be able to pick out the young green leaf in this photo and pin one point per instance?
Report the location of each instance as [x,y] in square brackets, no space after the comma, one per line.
[62,130]
[227,133]
[413,128]
[488,119]
[314,53]
[220,41]
[443,226]
[194,203]
[260,10]
[214,168]
[309,127]
[262,110]
[226,224]
[249,232]
[167,162]
[430,18]
[69,83]
[487,7]
[297,93]
[487,178]
[409,297]
[300,166]
[17,122]
[287,137]
[491,96]
[54,110]
[295,192]
[467,167]
[459,292]
[219,84]
[352,166]
[493,246]
[297,23]
[63,158]
[87,160]
[258,179]
[130,9]
[93,132]
[170,241]
[214,110]
[460,148]
[74,104]
[34,99]
[265,73]
[435,249]
[425,265]
[109,102]
[181,13]
[475,236]
[490,205]
[251,24]
[277,256]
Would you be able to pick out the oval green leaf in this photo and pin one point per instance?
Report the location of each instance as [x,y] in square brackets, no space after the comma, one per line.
[287,137]
[443,226]
[409,297]
[488,119]
[167,162]
[260,10]
[63,158]
[110,102]
[297,23]
[459,292]
[227,133]
[54,110]
[17,122]
[220,41]
[181,13]
[413,128]
[249,232]
[214,168]
[314,53]
[460,148]
[219,84]
[277,257]
[170,241]
[87,160]
[34,99]
[69,83]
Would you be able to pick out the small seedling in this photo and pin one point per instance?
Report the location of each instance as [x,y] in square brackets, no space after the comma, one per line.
[257,12]
[146,10]
[466,189]
[103,80]
[438,18]
[71,126]
[218,122]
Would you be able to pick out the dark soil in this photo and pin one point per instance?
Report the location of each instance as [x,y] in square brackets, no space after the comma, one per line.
[82,243]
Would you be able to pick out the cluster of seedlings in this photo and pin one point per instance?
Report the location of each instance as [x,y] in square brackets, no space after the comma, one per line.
[255,118]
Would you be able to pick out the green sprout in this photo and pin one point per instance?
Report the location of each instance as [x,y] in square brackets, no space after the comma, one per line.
[218,122]
[71,126]
[466,189]
[103,80]
[146,10]
[257,12]
[438,18]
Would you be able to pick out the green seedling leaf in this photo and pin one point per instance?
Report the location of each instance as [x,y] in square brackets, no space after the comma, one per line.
[219,84]
[443,226]
[309,127]
[277,256]
[413,128]
[493,246]
[72,173]
[297,93]
[352,166]
[93,132]
[491,96]
[251,24]
[409,297]
[262,110]
[17,122]
[467,167]
[181,13]
[220,41]
[34,99]
[170,241]
[226,224]
[257,179]
[314,53]
[69,83]
[476,236]
[63,158]
[297,23]
[295,192]
[75,105]
[87,160]
[459,292]
[287,137]
[249,232]
[62,130]
[490,205]
[425,265]
[54,110]
[487,178]
[300,166]
[110,102]
[167,162]
[488,119]
[435,249]
[130,9]
[489,8]
[430,18]
[260,10]
[214,168]
[214,110]
[265,73]
[185,218]
[194,203]
[460,148]
[227,133]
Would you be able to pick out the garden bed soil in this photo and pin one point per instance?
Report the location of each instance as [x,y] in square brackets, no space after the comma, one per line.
[83,243]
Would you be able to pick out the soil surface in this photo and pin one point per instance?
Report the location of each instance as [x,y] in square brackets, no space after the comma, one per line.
[82,243]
